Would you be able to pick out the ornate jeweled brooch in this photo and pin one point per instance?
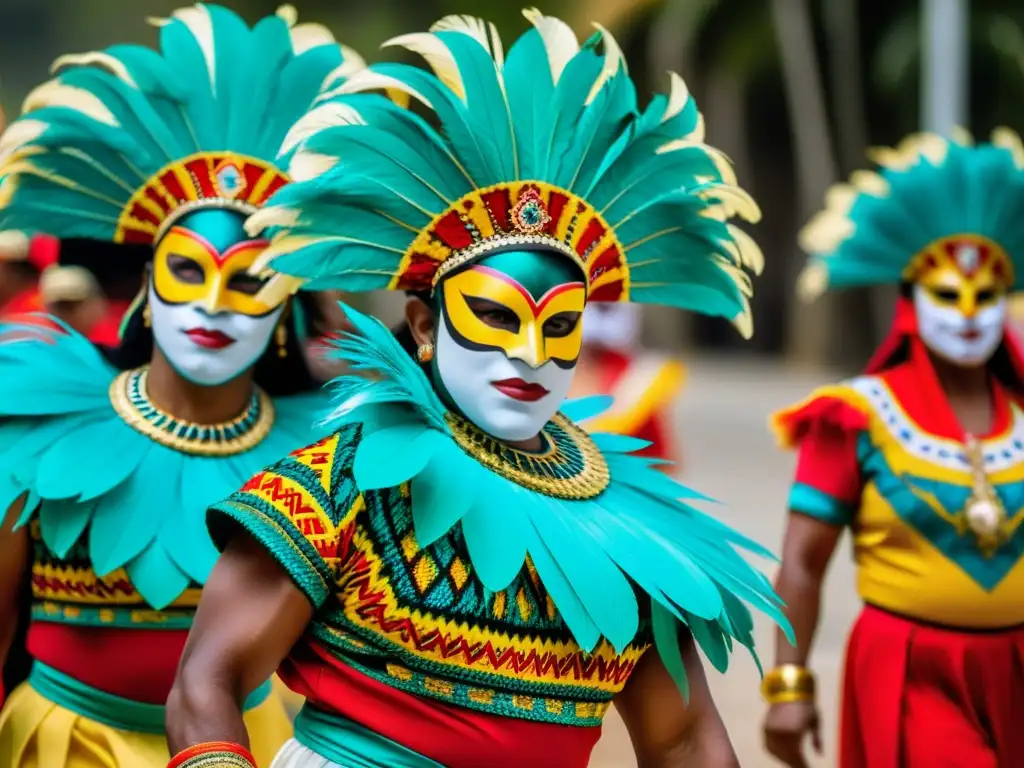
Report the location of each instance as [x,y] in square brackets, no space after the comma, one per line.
[529,215]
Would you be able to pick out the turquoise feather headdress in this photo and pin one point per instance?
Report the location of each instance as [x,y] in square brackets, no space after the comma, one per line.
[123,142]
[932,197]
[543,149]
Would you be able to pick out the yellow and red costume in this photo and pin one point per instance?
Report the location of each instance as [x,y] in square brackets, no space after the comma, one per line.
[935,662]
[643,386]
[122,151]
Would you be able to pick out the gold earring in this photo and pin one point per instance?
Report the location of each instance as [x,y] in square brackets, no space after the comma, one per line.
[425,353]
[147,316]
[281,335]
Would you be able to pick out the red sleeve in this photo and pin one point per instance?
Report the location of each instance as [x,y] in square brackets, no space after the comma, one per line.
[828,463]
[826,429]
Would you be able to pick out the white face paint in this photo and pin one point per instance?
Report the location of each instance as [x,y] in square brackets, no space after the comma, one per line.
[207,348]
[505,397]
[955,337]
[612,326]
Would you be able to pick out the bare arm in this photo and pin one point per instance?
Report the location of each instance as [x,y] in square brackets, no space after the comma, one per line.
[666,733]
[14,557]
[806,552]
[250,616]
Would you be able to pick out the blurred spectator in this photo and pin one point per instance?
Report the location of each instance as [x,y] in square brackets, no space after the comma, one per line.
[644,384]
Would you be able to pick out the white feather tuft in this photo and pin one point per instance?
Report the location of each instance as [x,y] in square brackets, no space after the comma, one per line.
[750,254]
[309,165]
[559,40]
[105,61]
[288,15]
[319,119]
[678,96]
[56,94]
[197,20]
[717,156]
[368,80]
[21,132]
[271,216]
[279,288]
[351,63]
[614,60]
[1008,139]
[436,54]
[306,37]
[281,244]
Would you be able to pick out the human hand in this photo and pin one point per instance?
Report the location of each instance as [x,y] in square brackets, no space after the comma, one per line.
[785,728]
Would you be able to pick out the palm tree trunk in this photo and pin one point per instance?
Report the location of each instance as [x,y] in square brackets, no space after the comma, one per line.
[810,337]
[865,312]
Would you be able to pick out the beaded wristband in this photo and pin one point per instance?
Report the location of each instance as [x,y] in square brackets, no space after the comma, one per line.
[214,754]
[788,683]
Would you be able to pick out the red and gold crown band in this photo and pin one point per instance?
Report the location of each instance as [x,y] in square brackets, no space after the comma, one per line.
[203,180]
[517,214]
[214,754]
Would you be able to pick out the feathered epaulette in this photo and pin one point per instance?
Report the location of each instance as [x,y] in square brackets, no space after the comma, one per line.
[88,476]
[837,407]
[589,553]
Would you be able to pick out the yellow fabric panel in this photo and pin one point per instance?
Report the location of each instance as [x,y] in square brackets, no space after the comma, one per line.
[630,411]
[901,571]
[36,733]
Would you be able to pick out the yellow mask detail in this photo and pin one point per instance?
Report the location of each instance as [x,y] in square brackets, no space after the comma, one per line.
[491,310]
[189,269]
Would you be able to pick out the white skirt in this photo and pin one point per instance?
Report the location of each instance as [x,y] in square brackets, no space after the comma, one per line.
[294,755]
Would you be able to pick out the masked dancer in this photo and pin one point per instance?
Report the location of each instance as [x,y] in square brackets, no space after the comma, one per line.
[109,458]
[459,575]
[922,457]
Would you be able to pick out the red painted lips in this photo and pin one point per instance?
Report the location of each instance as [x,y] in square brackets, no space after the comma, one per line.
[207,339]
[521,390]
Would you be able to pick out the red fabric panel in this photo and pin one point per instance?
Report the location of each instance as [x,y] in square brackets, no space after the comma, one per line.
[916,695]
[453,736]
[828,462]
[136,664]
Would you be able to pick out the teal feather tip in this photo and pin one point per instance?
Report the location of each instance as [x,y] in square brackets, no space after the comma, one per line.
[928,190]
[654,205]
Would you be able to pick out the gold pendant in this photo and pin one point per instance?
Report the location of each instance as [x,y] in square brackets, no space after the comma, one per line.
[983,513]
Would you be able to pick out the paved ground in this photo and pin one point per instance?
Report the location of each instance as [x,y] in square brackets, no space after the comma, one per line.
[730,455]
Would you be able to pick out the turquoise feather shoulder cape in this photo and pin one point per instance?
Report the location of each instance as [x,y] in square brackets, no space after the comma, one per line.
[88,476]
[589,554]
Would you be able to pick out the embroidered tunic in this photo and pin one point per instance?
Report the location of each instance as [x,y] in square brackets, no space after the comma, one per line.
[415,619]
[884,455]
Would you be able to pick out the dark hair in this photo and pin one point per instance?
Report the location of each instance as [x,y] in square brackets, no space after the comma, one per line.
[22,270]
[278,376]
[119,268]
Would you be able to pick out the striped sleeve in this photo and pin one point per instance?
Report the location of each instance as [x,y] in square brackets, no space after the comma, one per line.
[291,508]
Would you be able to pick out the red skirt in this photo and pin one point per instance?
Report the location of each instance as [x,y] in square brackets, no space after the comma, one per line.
[917,695]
